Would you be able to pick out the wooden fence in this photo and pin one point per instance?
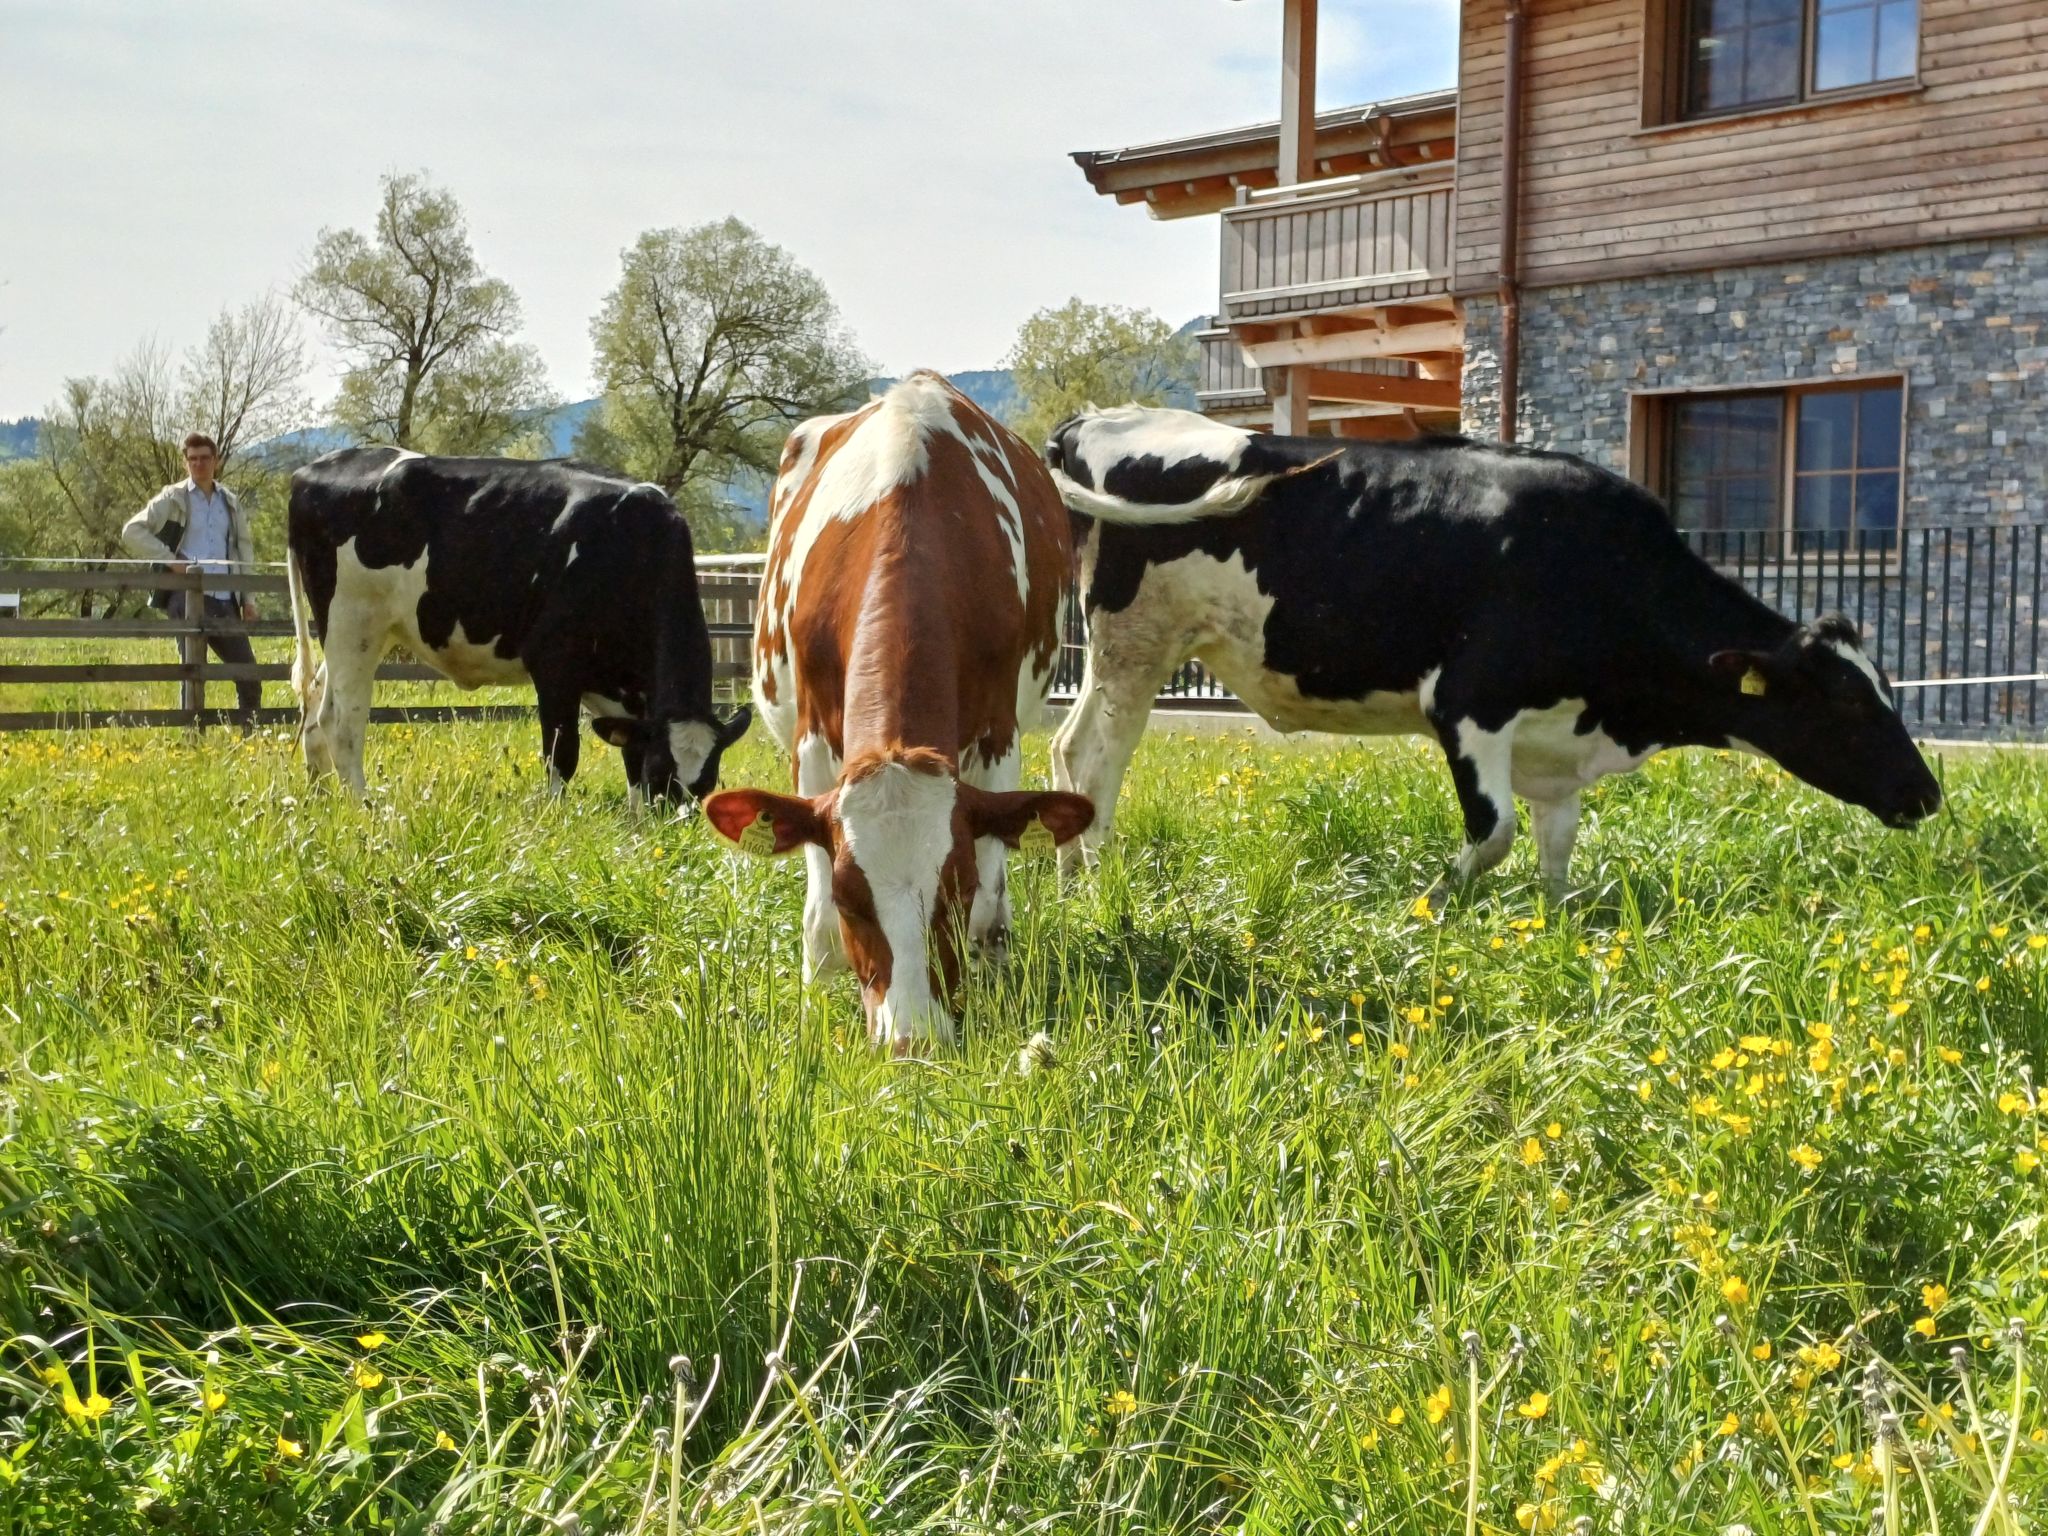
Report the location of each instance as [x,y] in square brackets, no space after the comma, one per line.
[727,588]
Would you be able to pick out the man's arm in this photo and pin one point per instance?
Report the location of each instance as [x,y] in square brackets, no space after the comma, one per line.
[138,534]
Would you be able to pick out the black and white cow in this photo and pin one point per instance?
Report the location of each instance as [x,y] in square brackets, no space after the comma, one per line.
[501,571]
[1538,615]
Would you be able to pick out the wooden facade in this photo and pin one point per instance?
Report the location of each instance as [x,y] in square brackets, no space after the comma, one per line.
[1958,152]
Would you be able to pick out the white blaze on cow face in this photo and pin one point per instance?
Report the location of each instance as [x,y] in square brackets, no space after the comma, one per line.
[690,743]
[1852,653]
[896,828]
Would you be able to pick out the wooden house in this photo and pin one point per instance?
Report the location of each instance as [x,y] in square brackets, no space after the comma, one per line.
[1784,261]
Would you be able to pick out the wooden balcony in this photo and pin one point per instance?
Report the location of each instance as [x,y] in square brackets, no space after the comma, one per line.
[1230,382]
[1329,246]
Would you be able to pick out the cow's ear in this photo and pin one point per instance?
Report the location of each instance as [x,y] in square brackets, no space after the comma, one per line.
[736,725]
[1750,671]
[617,730]
[1028,819]
[759,822]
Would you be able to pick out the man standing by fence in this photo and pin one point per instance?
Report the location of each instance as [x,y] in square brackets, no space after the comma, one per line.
[197,524]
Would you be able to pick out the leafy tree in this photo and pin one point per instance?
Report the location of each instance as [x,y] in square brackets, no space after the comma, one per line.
[108,444]
[711,345]
[1079,354]
[427,332]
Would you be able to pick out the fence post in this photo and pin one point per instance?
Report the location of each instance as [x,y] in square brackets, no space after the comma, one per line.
[192,651]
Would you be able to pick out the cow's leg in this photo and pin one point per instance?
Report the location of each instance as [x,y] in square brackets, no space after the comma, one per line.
[1482,771]
[352,657]
[1556,825]
[817,770]
[561,740]
[1093,747]
[313,740]
[988,923]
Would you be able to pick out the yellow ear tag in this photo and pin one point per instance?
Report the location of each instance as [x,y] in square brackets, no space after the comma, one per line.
[1753,683]
[759,837]
[1036,838]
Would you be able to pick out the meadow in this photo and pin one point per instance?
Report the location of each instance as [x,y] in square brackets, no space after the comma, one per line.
[469,1161]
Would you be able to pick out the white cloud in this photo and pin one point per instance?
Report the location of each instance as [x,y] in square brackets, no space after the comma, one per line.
[161,162]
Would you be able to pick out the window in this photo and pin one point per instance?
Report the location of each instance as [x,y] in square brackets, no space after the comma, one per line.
[1784,472]
[1708,58]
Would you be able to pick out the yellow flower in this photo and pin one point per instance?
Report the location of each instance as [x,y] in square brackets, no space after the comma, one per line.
[1761,1351]
[443,1441]
[1806,1157]
[2026,1159]
[2037,941]
[272,1071]
[1532,1152]
[51,1375]
[1553,1130]
[212,1399]
[1822,1356]
[1898,1010]
[289,1450]
[1396,1416]
[1369,1439]
[1735,1291]
[1356,1037]
[1728,1425]
[1398,1051]
[1950,1055]
[1983,983]
[1921,930]
[372,1340]
[367,1376]
[1843,1462]
[1415,1013]
[1644,1090]
[1358,999]
[1437,1405]
[94,1407]
[1925,1327]
[1723,1059]
[1421,909]
[1934,1297]
[2010,1103]
[1537,1406]
[1119,1403]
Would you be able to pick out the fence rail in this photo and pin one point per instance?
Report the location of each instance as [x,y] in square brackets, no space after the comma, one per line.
[1953,615]
[727,588]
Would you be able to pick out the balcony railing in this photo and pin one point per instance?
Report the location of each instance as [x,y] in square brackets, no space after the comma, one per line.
[1338,244]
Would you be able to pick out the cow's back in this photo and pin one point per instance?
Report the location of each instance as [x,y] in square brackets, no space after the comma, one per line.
[916,546]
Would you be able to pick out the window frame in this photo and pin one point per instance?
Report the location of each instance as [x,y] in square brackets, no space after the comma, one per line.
[1667,70]
[1652,449]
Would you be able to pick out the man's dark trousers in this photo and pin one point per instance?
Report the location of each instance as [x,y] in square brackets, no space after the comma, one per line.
[226,640]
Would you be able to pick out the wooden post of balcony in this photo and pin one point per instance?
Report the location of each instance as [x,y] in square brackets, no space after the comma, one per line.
[1297,164]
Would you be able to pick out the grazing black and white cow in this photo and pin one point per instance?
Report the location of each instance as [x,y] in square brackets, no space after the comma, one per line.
[501,571]
[1540,616]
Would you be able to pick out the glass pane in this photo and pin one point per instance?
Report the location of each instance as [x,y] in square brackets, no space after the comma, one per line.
[1762,11]
[1718,15]
[1844,45]
[1821,507]
[1773,72]
[1877,437]
[1898,40]
[1877,501]
[1749,501]
[1716,76]
[1827,429]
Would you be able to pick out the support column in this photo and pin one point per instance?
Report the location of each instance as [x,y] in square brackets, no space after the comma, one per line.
[1297,92]
[1290,399]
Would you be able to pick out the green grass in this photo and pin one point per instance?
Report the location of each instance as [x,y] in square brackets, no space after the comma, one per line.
[1317,1214]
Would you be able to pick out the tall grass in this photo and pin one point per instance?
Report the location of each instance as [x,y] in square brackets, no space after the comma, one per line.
[469,1161]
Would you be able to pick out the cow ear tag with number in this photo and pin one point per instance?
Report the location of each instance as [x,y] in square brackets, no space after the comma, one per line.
[759,837]
[1753,683]
[1035,838]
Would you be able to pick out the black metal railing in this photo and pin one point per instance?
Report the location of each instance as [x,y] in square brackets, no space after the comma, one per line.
[1952,615]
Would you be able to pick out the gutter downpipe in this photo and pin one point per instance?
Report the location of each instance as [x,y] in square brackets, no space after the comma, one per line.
[1511,229]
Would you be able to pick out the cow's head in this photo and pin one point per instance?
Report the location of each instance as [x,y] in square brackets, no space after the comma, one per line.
[1818,707]
[900,830]
[667,759]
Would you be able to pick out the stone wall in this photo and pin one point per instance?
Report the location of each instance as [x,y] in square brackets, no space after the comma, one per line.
[1966,324]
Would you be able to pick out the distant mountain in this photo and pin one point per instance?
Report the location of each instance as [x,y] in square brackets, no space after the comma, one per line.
[18,438]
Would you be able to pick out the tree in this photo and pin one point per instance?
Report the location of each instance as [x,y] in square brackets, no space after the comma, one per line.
[108,444]
[426,331]
[711,345]
[1068,358]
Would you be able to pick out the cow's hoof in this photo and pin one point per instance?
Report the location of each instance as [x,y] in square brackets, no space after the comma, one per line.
[993,948]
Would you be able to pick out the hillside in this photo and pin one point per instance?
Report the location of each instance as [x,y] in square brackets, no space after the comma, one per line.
[18,438]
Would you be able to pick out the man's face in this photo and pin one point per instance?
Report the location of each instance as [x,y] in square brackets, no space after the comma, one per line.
[199,464]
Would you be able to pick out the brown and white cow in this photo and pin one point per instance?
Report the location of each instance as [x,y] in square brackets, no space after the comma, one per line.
[906,632]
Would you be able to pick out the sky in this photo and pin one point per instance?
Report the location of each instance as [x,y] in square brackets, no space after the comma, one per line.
[160,162]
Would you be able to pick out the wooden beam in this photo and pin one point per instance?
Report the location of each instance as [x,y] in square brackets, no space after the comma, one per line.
[1381,389]
[1297,91]
[1290,400]
[1337,325]
[1400,341]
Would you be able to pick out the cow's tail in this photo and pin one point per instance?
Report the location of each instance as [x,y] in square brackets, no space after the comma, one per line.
[1233,493]
[303,673]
